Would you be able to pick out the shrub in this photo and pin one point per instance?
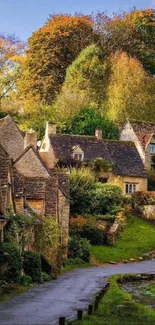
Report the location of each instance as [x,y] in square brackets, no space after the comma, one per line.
[95,235]
[105,197]
[10,262]
[25,280]
[46,265]
[32,265]
[82,181]
[45,276]
[143,198]
[79,248]
[47,237]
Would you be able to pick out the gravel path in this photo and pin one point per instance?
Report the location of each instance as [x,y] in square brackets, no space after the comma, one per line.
[44,304]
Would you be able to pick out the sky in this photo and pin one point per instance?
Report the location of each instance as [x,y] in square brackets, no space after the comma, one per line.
[23,17]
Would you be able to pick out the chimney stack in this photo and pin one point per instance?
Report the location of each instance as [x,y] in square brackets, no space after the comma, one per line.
[98,134]
[50,129]
[30,139]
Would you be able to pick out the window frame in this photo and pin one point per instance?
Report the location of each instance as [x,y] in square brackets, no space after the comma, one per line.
[130,188]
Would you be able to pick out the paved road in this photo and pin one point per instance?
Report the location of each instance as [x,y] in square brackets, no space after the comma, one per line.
[44,304]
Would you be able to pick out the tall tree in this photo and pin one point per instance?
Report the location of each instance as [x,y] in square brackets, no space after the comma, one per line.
[129,90]
[51,49]
[10,60]
[133,32]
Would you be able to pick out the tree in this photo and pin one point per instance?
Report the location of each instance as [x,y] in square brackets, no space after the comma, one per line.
[133,32]
[130,90]
[88,74]
[51,49]
[10,60]
[88,120]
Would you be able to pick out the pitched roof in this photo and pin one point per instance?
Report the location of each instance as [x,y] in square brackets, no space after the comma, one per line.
[11,137]
[144,131]
[122,154]
[63,144]
[126,159]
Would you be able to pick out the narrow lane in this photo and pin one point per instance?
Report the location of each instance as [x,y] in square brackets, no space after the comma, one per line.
[44,304]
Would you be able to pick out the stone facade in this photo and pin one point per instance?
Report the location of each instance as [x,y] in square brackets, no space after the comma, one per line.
[142,134]
[65,150]
[26,182]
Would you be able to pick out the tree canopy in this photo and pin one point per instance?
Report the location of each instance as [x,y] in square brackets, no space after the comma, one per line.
[88,120]
[51,49]
[130,90]
[132,32]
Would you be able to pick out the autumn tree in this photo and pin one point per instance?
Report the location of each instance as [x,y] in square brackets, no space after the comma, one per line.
[133,32]
[51,49]
[10,61]
[130,93]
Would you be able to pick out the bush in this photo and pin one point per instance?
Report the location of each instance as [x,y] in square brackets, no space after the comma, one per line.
[32,266]
[45,276]
[95,235]
[82,181]
[25,280]
[10,263]
[105,197]
[6,287]
[143,198]
[79,248]
[46,265]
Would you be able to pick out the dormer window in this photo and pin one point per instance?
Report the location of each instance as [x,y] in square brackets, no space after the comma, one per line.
[77,153]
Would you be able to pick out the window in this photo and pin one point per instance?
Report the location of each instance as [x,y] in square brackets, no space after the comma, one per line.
[78,156]
[152,147]
[130,188]
[77,153]
[103,180]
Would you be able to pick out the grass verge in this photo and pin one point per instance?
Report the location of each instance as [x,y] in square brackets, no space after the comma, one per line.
[118,308]
[15,291]
[75,264]
[137,238]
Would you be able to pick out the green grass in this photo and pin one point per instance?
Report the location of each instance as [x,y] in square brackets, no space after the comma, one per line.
[137,238]
[75,264]
[118,308]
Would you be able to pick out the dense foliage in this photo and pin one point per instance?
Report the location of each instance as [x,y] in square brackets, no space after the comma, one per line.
[51,49]
[32,265]
[94,197]
[79,248]
[87,120]
[10,262]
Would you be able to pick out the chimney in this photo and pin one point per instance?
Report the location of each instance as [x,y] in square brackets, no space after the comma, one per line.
[50,129]
[98,134]
[30,139]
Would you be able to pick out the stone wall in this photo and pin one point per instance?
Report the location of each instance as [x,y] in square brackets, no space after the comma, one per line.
[128,134]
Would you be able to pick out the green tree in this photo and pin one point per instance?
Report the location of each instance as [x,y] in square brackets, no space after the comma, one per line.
[51,49]
[87,120]
[88,74]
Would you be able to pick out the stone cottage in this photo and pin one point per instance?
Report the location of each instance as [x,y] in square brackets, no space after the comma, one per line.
[34,187]
[72,150]
[143,135]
